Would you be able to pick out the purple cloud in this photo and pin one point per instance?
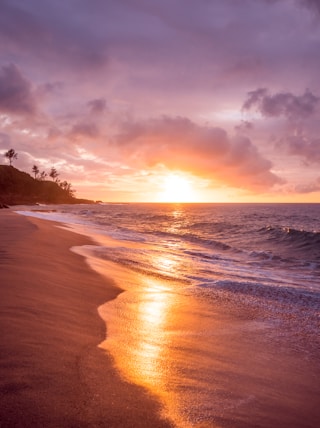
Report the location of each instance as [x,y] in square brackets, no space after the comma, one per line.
[97,106]
[308,187]
[5,140]
[85,129]
[309,149]
[16,94]
[313,5]
[50,31]
[185,62]
[244,126]
[282,104]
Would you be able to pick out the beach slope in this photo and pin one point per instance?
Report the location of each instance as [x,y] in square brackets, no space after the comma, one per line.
[52,373]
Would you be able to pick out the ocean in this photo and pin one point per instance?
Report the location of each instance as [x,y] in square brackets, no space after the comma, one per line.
[220,313]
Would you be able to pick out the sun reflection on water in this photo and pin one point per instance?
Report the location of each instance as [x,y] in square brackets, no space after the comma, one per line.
[137,324]
[166,264]
[153,312]
[150,341]
[144,323]
[178,221]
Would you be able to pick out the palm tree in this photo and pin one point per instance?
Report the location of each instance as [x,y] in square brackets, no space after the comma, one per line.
[54,174]
[67,188]
[35,170]
[43,176]
[11,155]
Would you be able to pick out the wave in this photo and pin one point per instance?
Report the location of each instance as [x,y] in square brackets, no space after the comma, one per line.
[194,239]
[137,260]
[299,240]
[214,227]
[274,297]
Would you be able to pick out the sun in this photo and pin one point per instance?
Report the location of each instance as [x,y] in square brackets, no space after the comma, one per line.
[177,188]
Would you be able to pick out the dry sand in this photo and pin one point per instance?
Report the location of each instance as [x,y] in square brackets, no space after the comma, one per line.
[52,374]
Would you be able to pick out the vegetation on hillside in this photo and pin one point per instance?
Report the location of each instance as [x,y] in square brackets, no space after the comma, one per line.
[11,155]
[19,188]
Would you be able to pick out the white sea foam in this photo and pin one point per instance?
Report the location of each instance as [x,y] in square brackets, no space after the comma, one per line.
[252,253]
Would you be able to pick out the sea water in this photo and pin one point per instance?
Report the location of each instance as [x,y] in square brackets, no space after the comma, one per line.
[222,305]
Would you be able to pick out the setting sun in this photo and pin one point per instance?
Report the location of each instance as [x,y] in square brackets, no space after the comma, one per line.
[177,188]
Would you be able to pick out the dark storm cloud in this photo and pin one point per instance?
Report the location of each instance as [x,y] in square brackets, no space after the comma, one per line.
[282,104]
[179,143]
[16,94]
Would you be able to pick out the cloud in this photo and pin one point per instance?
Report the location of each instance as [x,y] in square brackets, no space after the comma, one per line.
[313,5]
[97,106]
[16,94]
[51,32]
[5,140]
[51,87]
[83,65]
[85,129]
[209,152]
[244,126]
[309,149]
[300,136]
[282,104]
[308,187]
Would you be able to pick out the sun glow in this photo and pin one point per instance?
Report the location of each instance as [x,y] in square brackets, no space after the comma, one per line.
[177,188]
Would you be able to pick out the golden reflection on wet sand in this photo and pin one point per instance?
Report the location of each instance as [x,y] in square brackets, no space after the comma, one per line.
[210,363]
[150,337]
[138,333]
[147,336]
[149,330]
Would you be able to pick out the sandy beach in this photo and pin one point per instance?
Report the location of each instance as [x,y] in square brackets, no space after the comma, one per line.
[78,351]
[52,372]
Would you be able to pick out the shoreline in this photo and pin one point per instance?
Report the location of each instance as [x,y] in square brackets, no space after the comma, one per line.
[52,371]
[200,360]
[250,366]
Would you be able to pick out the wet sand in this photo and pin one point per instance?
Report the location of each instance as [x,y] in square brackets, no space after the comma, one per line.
[213,361]
[52,372]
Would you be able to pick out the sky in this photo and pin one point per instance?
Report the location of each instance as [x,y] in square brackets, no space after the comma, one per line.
[165,100]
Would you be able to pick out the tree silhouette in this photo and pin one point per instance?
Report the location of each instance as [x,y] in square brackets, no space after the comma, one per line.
[11,155]
[35,170]
[67,188]
[54,174]
[65,185]
[43,176]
